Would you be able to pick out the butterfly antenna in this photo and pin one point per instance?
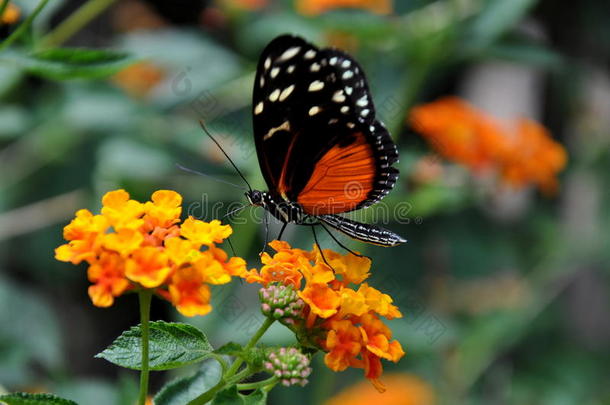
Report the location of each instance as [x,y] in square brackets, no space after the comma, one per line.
[224,153]
[236,210]
[186,169]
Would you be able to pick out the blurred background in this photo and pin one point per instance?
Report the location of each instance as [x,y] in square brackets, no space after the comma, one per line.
[501,113]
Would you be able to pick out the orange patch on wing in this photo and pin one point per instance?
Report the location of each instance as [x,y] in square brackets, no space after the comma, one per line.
[341,180]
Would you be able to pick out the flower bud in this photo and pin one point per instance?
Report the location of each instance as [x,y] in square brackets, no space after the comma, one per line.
[289,365]
[281,302]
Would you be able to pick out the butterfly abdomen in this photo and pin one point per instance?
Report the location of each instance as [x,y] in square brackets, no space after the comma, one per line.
[363,232]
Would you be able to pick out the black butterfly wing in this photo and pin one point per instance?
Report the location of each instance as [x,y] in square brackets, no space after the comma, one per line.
[315,131]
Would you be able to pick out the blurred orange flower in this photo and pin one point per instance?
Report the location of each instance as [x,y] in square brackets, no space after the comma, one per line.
[461,133]
[10,15]
[535,157]
[133,245]
[401,389]
[315,7]
[139,79]
[342,320]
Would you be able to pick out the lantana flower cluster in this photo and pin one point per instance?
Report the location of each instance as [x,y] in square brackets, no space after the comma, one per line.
[133,245]
[342,313]
[522,152]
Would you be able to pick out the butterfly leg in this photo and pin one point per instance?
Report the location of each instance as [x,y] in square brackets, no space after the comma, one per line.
[341,244]
[315,238]
[279,237]
[266,222]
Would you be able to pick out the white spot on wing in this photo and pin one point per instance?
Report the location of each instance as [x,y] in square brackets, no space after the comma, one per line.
[274,95]
[315,67]
[347,74]
[333,60]
[267,63]
[285,126]
[290,69]
[289,53]
[345,109]
[310,54]
[314,110]
[365,112]
[316,85]
[362,101]
[274,72]
[349,90]
[259,108]
[286,92]
[339,97]
[346,63]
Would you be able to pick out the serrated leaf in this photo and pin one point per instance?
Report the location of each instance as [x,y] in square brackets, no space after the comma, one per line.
[69,63]
[184,390]
[229,349]
[172,345]
[24,398]
[231,396]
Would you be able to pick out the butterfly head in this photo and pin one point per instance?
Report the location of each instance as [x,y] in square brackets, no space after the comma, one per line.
[256,197]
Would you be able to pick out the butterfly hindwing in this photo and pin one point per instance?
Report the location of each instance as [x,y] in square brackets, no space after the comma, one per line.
[316,135]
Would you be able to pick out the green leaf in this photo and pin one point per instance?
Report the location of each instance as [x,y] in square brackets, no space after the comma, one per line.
[24,398]
[231,396]
[172,345]
[497,17]
[229,349]
[183,390]
[69,63]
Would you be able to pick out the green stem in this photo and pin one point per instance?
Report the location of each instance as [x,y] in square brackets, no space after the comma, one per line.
[145,298]
[75,22]
[232,376]
[259,333]
[258,384]
[2,8]
[24,26]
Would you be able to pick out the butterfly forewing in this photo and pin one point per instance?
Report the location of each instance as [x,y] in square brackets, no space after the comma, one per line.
[316,135]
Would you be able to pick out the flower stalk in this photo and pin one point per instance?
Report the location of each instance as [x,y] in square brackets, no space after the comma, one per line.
[145,299]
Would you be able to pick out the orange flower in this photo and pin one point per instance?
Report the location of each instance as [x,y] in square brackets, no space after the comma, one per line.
[314,7]
[535,158]
[461,133]
[322,300]
[286,266]
[189,293]
[343,343]
[401,389]
[342,321]
[109,280]
[139,79]
[10,15]
[134,245]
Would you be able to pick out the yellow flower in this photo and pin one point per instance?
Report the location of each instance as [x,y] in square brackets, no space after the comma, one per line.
[134,245]
[164,210]
[314,7]
[120,211]
[204,233]
[401,389]
[124,241]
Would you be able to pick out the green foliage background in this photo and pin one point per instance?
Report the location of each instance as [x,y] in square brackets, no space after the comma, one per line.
[69,133]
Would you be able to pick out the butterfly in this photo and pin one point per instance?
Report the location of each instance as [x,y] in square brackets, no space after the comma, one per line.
[321,150]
